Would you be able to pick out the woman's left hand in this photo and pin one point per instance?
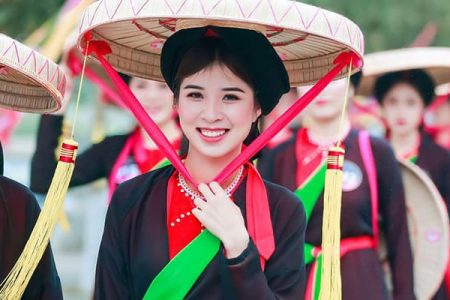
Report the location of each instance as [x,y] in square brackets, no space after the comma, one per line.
[222,218]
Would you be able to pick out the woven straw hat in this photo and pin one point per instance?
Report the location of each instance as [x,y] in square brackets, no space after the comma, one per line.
[434,60]
[428,230]
[307,38]
[29,82]
[443,89]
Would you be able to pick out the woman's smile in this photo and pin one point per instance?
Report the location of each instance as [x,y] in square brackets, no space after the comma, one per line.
[212,134]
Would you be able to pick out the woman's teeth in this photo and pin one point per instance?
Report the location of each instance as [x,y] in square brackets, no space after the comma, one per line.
[212,133]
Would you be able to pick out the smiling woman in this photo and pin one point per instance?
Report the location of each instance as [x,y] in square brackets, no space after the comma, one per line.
[216,100]
[227,63]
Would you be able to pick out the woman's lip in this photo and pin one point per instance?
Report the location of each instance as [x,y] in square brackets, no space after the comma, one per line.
[212,135]
[321,102]
[401,122]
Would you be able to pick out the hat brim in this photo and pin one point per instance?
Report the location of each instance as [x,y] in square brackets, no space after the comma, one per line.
[443,89]
[428,228]
[433,60]
[307,38]
[29,82]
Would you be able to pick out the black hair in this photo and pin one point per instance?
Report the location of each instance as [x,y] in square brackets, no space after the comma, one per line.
[205,53]
[418,79]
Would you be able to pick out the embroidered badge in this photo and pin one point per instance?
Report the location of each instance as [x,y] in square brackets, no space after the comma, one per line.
[127,171]
[352,176]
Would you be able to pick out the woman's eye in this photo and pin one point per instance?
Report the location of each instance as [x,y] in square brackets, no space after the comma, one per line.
[195,95]
[230,97]
[411,102]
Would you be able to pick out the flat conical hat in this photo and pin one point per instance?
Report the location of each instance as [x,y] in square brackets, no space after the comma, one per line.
[307,38]
[443,89]
[428,230]
[29,82]
[433,60]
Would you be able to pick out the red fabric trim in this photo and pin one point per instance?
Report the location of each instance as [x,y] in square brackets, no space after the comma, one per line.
[369,164]
[347,245]
[303,148]
[259,221]
[120,161]
[188,227]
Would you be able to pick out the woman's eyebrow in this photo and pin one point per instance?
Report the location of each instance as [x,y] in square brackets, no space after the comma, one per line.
[192,86]
[233,89]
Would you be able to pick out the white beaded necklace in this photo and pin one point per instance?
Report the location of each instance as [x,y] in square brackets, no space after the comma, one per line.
[194,194]
[188,192]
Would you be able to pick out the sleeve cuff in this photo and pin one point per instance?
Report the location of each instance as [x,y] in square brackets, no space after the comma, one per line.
[248,259]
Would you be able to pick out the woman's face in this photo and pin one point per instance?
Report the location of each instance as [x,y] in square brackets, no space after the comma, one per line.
[402,108]
[216,110]
[156,98]
[328,104]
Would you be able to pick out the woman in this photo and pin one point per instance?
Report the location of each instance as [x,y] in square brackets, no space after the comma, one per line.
[404,96]
[117,158]
[219,96]
[19,209]
[299,164]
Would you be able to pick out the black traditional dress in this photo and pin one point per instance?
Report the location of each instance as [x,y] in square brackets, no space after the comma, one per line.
[362,274]
[135,248]
[18,214]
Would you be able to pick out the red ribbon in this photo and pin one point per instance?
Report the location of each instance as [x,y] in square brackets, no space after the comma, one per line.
[260,225]
[101,48]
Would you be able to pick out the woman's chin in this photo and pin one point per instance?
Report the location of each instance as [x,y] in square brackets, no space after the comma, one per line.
[325,116]
[216,151]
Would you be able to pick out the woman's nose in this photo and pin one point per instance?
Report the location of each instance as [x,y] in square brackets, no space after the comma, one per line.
[212,110]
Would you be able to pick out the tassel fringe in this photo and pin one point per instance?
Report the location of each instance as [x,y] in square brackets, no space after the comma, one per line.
[331,285]
[15,283]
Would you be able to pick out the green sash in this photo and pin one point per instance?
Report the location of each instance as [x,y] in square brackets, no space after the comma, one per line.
[413,159]
[163,163]
[311,189]
[177,278]
[309,194]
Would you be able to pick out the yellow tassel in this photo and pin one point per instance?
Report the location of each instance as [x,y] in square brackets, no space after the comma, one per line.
[17,280]
[15,283]
[331,283]
[330,288]
[65,135]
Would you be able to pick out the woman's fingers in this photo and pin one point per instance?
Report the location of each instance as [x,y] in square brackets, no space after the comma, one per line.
[201,204]
[217,189]
[207,221]
[206,191]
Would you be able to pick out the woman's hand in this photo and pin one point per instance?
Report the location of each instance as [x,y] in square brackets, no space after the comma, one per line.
[222,218]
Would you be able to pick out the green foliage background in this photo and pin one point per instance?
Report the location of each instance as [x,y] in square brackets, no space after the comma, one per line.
[387,24]
[390,24]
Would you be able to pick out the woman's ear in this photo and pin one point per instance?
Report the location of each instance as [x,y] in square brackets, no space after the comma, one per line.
[256,114]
